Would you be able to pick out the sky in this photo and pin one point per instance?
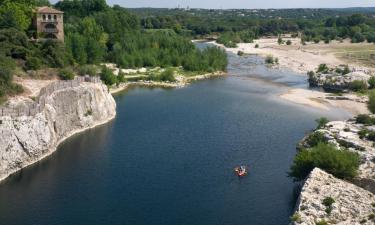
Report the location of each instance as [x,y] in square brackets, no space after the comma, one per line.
[240,4]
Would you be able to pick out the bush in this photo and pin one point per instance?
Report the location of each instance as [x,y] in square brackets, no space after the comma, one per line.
[371,102]
[328,202]
[167,75]
[66,74]
[288,42]
[90,70]
[321,122]
[271,60]
[256,45]
[365,119]
[107,76]
[296,218]
[371,83]
[33,63]
[322,222]
[358,86]
[340,163]
[323,68]
[315,138]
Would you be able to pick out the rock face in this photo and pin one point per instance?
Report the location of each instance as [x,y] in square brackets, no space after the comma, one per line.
[337,82]
[27,139]
[351,205]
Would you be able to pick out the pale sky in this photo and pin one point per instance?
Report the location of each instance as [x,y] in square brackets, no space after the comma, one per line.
[240,4]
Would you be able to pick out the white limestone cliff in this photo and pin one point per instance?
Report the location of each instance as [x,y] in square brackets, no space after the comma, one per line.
[351,205]
[25,140]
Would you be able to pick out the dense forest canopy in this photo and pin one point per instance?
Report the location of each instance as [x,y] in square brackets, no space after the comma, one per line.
[94,33]
[243,25]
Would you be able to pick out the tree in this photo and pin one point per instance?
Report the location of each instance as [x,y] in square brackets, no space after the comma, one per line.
[15,15]
[340,163]
[371,102]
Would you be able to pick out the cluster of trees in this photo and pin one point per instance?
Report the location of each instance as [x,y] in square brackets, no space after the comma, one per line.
[94,33]
[314,25]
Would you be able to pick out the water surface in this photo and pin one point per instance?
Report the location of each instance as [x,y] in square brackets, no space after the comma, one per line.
[168,158]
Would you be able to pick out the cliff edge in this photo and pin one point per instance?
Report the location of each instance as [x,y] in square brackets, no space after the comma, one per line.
[26,139]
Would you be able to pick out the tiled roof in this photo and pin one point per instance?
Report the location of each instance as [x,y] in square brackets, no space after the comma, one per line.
[47,9]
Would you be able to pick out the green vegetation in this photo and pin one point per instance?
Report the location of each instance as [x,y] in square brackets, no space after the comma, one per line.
[328,202]
[94,33]
[371,103]
[107,76]
[296,218]
[322,222]
[167,75]
[66,74]
[313,24]
[315,138]
[365,119]
[321,122]
[271,60]
[358,86]
[341,163]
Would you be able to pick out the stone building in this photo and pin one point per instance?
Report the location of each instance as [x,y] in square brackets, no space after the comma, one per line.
[49,23]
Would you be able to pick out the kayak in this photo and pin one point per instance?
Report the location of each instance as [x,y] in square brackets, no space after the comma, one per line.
[241,171]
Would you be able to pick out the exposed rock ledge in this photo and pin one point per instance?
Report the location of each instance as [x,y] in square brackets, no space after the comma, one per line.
[25,140]
[352,205]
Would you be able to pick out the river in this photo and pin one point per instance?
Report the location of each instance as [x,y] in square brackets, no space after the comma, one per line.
[168,158]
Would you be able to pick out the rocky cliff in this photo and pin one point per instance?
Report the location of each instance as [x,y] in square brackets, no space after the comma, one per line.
[27,139]
[327,200]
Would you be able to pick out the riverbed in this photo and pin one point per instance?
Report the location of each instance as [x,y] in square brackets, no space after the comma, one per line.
[168,157]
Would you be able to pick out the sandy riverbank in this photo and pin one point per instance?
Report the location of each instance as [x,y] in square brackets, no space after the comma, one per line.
[303,58]
[326,101]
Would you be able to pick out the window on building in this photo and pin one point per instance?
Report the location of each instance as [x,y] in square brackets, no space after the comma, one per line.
[49,17]
[44,17]
[55,17]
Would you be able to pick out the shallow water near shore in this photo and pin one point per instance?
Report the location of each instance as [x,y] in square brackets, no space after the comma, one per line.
[168,158]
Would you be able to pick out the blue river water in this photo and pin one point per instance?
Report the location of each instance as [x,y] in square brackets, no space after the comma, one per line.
[168,158]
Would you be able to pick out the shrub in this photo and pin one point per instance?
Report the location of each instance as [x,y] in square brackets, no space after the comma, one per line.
[323,68]
[321,122]
[256,45]
[167,75]
[315,138]
[121,77]
[316,40]
[322,222]
[271,60]
[66,74]
[371,102]
[296,218]
[365,119]
[288,42]
[280,40]
[90,70]
[328,201]
[371,82]
[107,76]
[341,163]
[240,53]
[33,63]
[358,86]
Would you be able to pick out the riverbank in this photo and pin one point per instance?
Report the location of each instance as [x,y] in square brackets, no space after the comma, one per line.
[351,103]
[181,81]
[303,58]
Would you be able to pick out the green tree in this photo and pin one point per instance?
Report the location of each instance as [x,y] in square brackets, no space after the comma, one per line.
[341,163]
[371,102]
